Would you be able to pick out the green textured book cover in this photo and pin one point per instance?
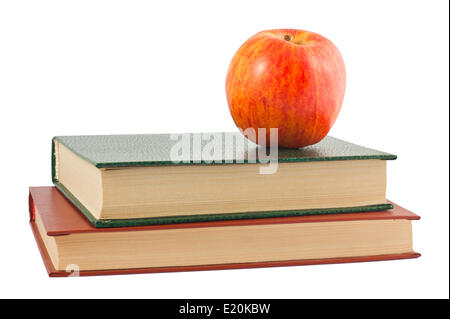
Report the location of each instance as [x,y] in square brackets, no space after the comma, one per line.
[114,151]
[105,151]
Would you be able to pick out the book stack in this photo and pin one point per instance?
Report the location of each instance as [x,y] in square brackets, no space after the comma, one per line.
[160,203]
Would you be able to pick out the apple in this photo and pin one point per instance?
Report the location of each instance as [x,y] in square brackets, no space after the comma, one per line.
[288,79]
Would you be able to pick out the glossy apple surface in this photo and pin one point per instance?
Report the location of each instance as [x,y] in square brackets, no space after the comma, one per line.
[288,79]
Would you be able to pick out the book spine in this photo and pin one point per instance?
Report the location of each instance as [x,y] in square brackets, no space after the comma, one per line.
[31,208]
[53,161]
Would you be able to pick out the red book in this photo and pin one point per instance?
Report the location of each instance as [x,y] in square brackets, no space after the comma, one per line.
[70,244]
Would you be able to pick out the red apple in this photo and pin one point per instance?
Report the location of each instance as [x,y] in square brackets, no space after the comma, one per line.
[288,79]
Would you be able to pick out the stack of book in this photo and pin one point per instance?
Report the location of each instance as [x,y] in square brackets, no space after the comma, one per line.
[158,203]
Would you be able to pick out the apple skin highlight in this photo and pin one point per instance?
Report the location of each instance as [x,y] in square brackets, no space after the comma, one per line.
[288,79]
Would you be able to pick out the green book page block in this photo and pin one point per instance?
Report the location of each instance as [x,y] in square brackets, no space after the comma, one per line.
[212,217]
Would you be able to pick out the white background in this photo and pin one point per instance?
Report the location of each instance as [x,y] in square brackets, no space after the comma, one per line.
[111,67]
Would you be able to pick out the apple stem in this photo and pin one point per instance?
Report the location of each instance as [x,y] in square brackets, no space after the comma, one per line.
[287,37]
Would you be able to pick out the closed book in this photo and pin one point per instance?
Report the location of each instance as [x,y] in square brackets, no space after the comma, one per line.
[132,180]
[71,245]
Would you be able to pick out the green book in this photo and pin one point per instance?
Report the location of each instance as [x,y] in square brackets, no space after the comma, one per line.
[133,180]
